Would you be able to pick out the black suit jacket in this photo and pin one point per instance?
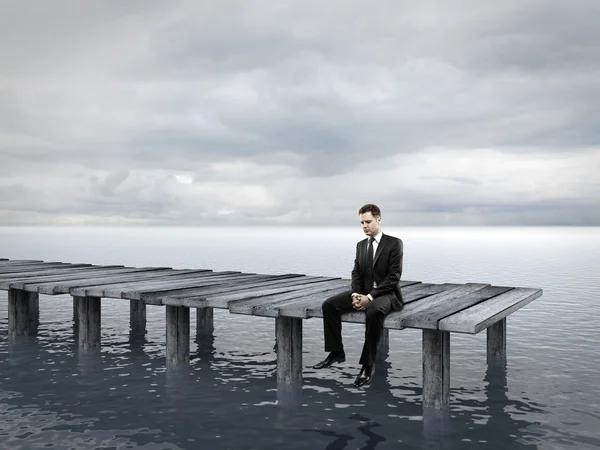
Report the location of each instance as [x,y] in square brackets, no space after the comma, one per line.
[387,269]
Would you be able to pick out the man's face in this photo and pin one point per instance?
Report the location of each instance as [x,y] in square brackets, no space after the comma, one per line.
[370,224]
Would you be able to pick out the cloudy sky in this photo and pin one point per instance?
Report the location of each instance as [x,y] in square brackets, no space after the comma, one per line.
[205,112]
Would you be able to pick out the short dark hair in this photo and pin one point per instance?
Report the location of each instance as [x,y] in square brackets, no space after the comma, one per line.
[369,207]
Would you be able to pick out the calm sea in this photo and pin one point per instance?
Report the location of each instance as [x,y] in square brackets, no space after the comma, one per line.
[124,398]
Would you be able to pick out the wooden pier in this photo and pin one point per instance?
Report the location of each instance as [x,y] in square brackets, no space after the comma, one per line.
[437,309]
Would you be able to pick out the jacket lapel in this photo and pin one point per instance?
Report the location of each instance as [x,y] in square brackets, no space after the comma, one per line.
[380,247]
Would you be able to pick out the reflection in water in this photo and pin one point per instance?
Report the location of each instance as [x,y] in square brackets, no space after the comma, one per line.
[124,395]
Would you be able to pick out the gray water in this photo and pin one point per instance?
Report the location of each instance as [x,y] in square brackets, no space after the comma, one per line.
[547,397]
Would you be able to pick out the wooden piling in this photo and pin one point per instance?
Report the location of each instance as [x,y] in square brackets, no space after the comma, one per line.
[436,369]
[204,321]
[23,312]
[137,312]
[178,334]
[289,359]
[496,341]
[89,323]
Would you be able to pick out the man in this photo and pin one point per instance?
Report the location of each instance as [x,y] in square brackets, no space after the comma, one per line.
[375,290]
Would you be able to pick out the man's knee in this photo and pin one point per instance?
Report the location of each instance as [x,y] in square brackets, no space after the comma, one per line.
[373,311]
[328,305]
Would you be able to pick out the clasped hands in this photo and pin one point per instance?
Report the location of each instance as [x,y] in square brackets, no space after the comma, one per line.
[360,302]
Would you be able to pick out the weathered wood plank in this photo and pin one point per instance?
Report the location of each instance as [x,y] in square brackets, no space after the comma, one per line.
[101,277]
[148,292]
[117,290]
[427,290]
[218,297]
[190,302]
[17,271]
[229,286]
[74,274]
[223,300]
[33,284]
[134,292]
[482,315]
[396,319]
[259,305]
[24,263]
[71,274]
[139,281]
[429,318]
[6,262]
[257,289]
[301,306]
[93,280]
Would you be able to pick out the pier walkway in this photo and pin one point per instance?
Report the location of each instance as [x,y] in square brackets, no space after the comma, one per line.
[437,309]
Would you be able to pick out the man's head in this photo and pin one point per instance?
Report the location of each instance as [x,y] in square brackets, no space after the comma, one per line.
[370,219]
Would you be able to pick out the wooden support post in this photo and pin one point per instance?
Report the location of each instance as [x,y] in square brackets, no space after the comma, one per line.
[204,321]
[178,334]
[88,323]
[23,312]
[137,312]
[496,341]
[436,369]
[289,359]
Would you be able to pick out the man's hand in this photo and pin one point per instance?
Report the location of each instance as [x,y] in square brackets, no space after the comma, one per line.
[360,302]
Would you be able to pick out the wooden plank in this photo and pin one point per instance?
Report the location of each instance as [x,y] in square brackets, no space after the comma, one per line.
[144,280]
[395,319]
[190,302]
[429,318]
[249,287]
[427,290]
[19,282]
[295,303]
[28,270]
[301,306]
[234,285]
[116,290]
[219,298]
[21,262]
[33,283]
[484,314]
[173,288]
[261,305]
[68,286]
[223,300]
[95,279]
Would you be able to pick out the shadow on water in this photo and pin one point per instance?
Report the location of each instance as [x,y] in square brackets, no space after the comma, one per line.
[124,395]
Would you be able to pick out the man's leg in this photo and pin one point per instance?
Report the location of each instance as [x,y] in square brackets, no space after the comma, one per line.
[375,315]
[333,308]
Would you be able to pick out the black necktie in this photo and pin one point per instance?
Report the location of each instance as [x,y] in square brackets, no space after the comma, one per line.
[370,251]
[369,268]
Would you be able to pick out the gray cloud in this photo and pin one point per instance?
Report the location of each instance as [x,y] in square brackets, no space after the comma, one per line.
[462,112]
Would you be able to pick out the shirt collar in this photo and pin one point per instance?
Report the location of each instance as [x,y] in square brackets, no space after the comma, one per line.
[378,237]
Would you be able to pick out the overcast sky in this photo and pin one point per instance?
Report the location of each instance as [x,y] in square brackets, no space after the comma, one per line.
[454,112]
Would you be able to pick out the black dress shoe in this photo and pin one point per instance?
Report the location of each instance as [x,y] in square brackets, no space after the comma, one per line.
[365,375]
[333,357]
